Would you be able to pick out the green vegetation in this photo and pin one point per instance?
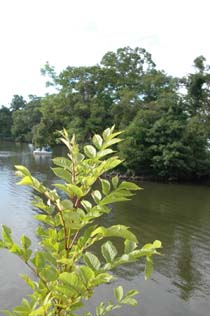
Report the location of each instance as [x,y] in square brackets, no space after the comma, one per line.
[66,269]
[166,119]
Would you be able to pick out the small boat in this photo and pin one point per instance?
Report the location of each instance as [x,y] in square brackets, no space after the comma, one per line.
[43,151]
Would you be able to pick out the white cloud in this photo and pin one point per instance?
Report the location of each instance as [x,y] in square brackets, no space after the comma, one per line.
[67,32]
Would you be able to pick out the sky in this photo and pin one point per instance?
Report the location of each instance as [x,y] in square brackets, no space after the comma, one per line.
[81,32]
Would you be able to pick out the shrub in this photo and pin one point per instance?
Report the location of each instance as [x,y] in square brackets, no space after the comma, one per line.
[66,270]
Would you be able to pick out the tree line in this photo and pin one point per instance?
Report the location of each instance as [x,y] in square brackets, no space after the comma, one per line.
[165,118]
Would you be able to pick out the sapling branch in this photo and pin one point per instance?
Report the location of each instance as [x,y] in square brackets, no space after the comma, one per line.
[76,205]
[62,221]
[67,243]
[73,240]
[64,228]
[38,275]
[66,271]
[73,178]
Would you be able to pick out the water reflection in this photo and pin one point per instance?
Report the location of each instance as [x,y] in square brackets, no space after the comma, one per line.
[42,160]
[180,217]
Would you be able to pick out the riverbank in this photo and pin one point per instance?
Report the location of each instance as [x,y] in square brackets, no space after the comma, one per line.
[122,172]
[152,178]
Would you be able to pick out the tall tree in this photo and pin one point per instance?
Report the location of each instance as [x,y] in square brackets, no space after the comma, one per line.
[198,88]
[25,118]
[5,122]
[17,103]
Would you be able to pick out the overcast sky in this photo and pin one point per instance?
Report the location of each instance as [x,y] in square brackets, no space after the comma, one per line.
[80,32]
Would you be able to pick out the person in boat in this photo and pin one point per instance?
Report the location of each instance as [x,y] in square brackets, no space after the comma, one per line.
[47,148]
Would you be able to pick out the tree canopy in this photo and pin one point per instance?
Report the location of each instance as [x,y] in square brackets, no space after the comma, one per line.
[166,119]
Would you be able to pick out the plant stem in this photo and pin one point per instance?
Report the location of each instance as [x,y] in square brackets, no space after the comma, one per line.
[73,240]
[38,275]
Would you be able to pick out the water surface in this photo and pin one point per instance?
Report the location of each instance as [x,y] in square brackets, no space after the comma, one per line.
[178,215]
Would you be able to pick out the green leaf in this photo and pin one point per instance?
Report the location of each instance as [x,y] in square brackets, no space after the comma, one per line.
[16,250]
[106,133]
[24,309]
[111,142]
[109,135]
[66,204]
[157,244]
[105,152]
[28,281]
[40,311]
[49,274]
[62,173]
[37,202]
[151,248]
[39,260]
[26,181]
[66,290]
[62,162]
[92,261]
[96,195]
[97,141]
[100,309]
[132,293]
[114,197]
[86,204]
[113,135]
[115,181]
[102,278]
[73,281]
[115,231]
[130,301]
[90,151]
[45,219]
[71,189]
[105,186]
[129,246]
[73,220]
[6,234]
[111,163]
[109,251]
[25,241]
[23,170]
[2,244]
[38,186]
[52,195]
[100,209]
[129,186]
[80,157]
[27,254]
[118,292]
[86,274]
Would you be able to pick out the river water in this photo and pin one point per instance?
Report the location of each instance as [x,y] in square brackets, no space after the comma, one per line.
[178,215]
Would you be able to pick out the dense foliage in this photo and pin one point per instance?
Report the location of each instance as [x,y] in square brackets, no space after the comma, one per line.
[66,268]
[166,119]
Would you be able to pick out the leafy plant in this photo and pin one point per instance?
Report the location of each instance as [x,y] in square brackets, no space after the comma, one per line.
[66,269]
